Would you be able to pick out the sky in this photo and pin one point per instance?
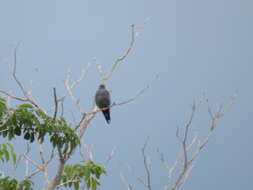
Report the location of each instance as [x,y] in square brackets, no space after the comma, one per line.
[198,48]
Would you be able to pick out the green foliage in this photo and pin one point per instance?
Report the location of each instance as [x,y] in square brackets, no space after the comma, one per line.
[87,172]
[3,107]
[31,123]
[7,150]
[12,184]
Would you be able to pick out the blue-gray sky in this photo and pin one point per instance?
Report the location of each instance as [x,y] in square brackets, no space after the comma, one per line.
[197,47]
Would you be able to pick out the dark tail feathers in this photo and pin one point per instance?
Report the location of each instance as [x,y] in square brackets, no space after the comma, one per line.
[107,115]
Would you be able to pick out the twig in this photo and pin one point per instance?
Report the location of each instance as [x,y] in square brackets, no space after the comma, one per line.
[14,97]
[33,173]
[170,170]
[53,153]
[186,135]
[31,161]
[27,95]
[121,58]
[71,85]
[146,183]
[147,168]
[128,186]
[189,162]
[88,150]
[56,104]
[110,155]
[15,68]
[67,182]
[99,67]
[180,179]
[137,177]
[80,122]
[43,163]
[140,92]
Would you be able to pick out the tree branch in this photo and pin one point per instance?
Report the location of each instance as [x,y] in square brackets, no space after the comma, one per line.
[189,162]
[147,168]
[128,186]
[12,96]
[120,58]
[56,180]
[25,93]
[56,104]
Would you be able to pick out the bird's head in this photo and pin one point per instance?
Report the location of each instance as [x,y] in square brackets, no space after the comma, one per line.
[101,86]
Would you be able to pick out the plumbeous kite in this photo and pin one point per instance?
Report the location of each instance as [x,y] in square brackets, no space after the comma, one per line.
[102,99]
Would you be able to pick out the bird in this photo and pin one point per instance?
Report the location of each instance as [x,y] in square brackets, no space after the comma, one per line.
[103,101]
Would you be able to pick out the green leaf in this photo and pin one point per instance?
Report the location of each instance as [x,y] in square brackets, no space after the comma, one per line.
[26,106]
[76,185]
[88,183]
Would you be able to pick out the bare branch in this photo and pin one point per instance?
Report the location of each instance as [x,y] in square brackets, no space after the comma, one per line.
[15,69]
[140,92]
[121,58]
[214,118]
[70,86]
[40,168]
[81,121]
[56,104]
[43,163]
[186,135]
[53,153]
[146,183]
[31,161]
[181,177]
[57,178]
[84,124]
[67,182]
[99,67]
[28,96]
[110,155]
[12,96]
[128,186]
[189,162]
[146,165]
[88,150]
[33,173]
[163,160]
[137,177]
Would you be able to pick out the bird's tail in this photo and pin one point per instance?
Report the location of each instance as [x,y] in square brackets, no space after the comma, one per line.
[107,115]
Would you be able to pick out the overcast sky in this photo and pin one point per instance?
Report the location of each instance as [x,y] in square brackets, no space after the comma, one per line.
[197,47]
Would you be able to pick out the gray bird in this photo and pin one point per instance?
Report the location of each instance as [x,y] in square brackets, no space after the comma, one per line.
[103,100]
